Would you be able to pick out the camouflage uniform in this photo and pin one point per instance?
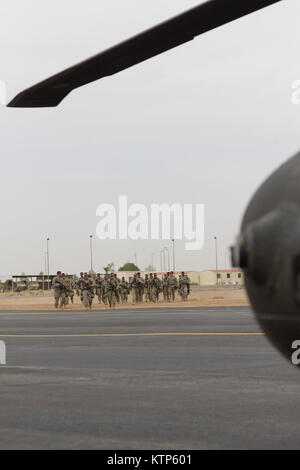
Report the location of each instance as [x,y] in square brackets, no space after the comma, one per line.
[134,289]
[172,286]
[112,286]
[72,290]
[99,287]
[151,288]
[165,288]
[59,292]
[156,288]
[87,290]
[105,290]
[184,286]
[69,285]
[118,289]
[140,288]
[79,285]
[147,288]
[124,290]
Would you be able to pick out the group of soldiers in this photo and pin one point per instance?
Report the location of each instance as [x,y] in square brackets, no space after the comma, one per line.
[111,290]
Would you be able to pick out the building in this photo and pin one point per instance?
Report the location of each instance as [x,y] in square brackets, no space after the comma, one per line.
[21,282]
[222,277]
[127,274]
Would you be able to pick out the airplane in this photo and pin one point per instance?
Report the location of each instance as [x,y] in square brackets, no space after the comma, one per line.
[268,247]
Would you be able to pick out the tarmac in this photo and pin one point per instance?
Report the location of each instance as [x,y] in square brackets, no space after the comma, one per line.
[161,378]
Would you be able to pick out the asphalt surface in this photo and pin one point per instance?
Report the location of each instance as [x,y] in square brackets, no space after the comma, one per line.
[196,378]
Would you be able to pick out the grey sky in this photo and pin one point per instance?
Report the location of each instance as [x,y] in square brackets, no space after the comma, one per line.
[205,122]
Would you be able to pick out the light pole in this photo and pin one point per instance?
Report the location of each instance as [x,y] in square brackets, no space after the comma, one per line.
[48,268]
[45,270]
[91,250]
[226,256]
[173,240]
[165,249]
[152,260]
[161,263]
[164,260]
[216,248]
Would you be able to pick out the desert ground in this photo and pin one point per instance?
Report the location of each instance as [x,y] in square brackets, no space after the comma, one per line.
[199,297]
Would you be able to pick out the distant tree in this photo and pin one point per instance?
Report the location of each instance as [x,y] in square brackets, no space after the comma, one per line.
[109,268]
[150,269]
[129,267]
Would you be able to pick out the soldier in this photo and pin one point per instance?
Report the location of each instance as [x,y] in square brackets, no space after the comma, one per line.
[184,286]
[124,290]
[105,290]
[59,291]
[69,293]
[134,288]
[165,287]
[78,286]
[140,287]
[156,288]
[71,289]
[147,288]
[151,287]
[94,286]
[99,287]
[112,286]
[118,289]
[172,286]
[66,298]
[87,291]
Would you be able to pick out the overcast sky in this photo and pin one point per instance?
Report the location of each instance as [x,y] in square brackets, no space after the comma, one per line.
[203,123]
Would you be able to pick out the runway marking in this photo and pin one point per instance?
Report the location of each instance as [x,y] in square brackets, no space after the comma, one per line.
[97,335]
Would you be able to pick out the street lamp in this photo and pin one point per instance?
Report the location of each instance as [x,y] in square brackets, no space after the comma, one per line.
[165,249]
[91,250]
[152,260]
[45,270]
[48,268]
[216,248]
[173,240]
[226,256]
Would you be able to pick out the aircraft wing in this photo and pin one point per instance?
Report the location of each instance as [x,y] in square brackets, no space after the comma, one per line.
[154,41]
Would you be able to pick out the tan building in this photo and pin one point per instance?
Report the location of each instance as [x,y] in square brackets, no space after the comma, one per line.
[222,277]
